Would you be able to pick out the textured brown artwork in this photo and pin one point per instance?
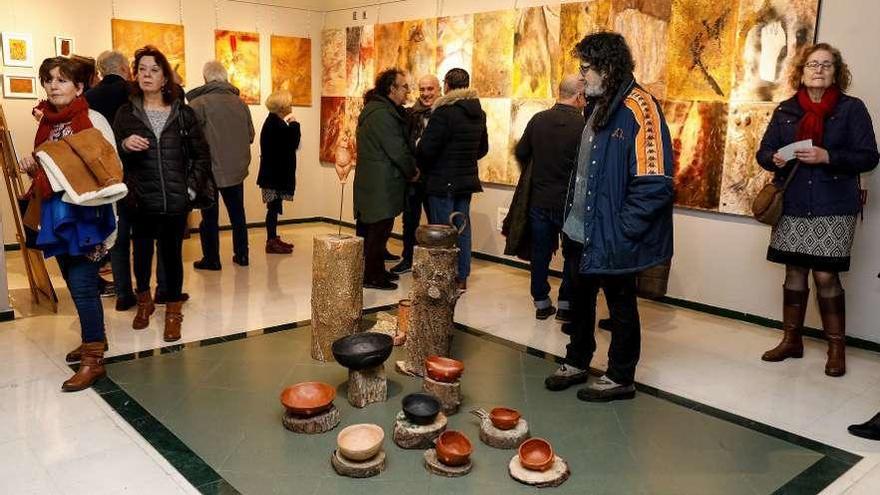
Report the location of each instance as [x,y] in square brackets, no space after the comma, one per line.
[493,52]
[455,44]
[359,59]
[698,130]
[536,53]
[521,112]
[292,68]
[21,85]
[646,32]
[661,9]
[332,121]
[743,177]
[239,52]
[576,21]
[389,41]
[702,43]
[495,166]
[346,152]
[770,34]
[419,50]
[333,75]
[128,36]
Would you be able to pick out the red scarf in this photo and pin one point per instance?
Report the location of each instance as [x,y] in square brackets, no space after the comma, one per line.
[77,113]
[812,124]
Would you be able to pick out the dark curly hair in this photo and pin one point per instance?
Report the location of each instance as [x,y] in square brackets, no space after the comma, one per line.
[608,54]
[384,82]
[171,91]
[842,75]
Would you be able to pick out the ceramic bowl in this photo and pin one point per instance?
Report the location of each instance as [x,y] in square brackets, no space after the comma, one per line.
[453,448]
[504,418]
[536,454]
[362,350]
[308,398]
[420,409]
[360,442]
[443,369]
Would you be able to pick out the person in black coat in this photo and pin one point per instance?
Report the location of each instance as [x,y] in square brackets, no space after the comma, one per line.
[279,140]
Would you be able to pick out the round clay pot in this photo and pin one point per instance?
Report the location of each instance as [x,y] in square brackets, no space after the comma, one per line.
[308,398]
[443,369]
[362,350]
[536,454]
[436,235]
[504,418]
[360,442]
[453,448]
[420,408]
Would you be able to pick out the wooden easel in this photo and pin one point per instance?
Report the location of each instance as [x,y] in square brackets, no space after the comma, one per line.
[38,277]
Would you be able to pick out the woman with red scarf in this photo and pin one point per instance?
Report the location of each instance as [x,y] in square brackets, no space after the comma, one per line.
[78,236]
[822,200]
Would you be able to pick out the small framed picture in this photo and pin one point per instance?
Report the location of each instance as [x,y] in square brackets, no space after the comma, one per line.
[19,86]
[64,46]
[18,50]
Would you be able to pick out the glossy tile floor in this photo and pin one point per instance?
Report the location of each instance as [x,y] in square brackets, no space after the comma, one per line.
[58,443]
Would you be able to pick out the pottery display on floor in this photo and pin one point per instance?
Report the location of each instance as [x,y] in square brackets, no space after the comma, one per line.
[504,418]
[435,235]
[443,369]
[360,442]
[420,409]
[453,448]
[362,351]
[308,398]
[536,454]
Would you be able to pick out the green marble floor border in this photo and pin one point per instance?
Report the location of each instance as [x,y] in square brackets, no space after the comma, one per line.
[834,463]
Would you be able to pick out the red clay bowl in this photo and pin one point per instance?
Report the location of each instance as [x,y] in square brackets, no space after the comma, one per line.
[536,454]
[504,418]
[308,398]
[443,369]
[453,448]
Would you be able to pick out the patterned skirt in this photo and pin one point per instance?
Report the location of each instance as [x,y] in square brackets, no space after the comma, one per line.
[819,243]
[270,195]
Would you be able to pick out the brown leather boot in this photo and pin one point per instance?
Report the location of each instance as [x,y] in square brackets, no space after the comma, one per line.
[173,320]
[833,312]
[794,308]
[145,308]
[76,354]
[274,246]
[90,368]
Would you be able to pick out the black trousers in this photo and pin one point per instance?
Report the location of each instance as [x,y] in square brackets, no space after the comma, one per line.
[416,201]
[375,237]
[209,229]
[626,338]
[167,231]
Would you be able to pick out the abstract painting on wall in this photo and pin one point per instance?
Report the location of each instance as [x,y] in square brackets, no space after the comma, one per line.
[346,152]
[239,52]
[493,53]
[292,68]
[577,20]
[495,166]
[743,178]
[645,26]
[521,112]
[18,49]
[389,41]
[19,86]
[419,49]
[333,82]
[64,46]
[359,59]
[536,55]
[332,122]
[129,36]
[455,44]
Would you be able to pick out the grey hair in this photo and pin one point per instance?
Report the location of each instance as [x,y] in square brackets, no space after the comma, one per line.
[570,87]
[214,71]
[112,62]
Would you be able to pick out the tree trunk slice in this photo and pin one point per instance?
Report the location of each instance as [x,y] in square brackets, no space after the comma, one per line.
[449,394]
[412,436]
[403,368]
[433,465]
[337,291]
[434,294]
[555,476]
[354,469]
[320,423]
[498,438]
[367,386]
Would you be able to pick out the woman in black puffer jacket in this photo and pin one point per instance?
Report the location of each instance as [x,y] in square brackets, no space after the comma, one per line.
[158,134]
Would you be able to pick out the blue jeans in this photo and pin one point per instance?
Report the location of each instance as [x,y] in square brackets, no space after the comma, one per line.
[120,256]
[439,209]
[546,227]
[81,275]
[209,229]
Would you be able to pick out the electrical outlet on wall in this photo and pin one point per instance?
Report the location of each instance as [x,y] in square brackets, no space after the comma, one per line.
[502,214]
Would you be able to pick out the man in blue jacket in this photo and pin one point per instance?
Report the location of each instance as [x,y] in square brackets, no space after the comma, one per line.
[618,217]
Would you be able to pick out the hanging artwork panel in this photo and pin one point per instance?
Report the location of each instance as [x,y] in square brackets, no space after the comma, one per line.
[359,59]
[18,49]
[493,53]
[239,52]
[128,36]
[292,67]
[333,82]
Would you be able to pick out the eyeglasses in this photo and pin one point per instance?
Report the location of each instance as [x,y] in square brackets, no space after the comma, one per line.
[585,68]
[815,66]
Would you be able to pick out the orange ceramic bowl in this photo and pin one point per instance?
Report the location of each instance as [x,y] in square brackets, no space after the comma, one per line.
[536,454]
[308,398]
[453,448]
[504,418]
[443,369]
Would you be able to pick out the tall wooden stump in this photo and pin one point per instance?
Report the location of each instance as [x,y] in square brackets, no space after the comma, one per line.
[337,291]
[367,386]
[434,294]
[449,394]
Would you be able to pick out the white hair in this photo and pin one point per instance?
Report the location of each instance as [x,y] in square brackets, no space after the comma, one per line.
[112,62]
[214,71]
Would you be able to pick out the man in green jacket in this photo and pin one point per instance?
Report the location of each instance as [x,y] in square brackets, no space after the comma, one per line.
[384,164]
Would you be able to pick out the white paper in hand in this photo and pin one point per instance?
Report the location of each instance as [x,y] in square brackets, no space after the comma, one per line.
[787,152]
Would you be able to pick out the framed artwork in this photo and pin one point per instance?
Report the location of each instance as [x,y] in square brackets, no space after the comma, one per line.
[64,46]
[18,50]
[128,36]
[333,81]
[19,86]
[239,52]
[292,68]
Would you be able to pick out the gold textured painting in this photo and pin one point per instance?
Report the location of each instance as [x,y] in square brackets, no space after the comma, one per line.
[702,42]
[646,29]
[770,34]
[577,20]
[419,50]
[332,121]
[493,53]
[521,112]
[495,166]
[346,151]
[333,77]
[360,59]
[455,44]
[698,130]
[292,68]
[536,55]
[389,45]
[239,52]
[743,178]
[128,36]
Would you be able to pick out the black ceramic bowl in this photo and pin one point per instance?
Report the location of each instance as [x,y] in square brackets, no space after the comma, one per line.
[421,409]
[363,350]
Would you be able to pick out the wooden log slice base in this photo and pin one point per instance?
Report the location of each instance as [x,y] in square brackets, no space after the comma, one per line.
[449,394]
[504,439]
[354,469]
[367,386]
[412,436]
[433,465]
[555,476]
[320,423]
[404,368]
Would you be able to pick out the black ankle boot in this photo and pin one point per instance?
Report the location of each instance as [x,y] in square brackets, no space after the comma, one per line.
[869,429]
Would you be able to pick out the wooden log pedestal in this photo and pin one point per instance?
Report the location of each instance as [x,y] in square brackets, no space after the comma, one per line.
[412,436]
[355,469]
[434,294]
[555,476]
[433,465]
[501,439]
[449,394]
[320,423]
[337,291]
[367,386]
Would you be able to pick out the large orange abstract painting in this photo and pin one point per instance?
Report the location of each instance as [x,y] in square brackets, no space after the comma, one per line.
[333,77]
[292,68]
[698,131]
[455,44]
[239,52]
[128,36]
[536,53]
[495,166]
[360,59]
[576,21]
[389,45]
[332,123]
[493,53]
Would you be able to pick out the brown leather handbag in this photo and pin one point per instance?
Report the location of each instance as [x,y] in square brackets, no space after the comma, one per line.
[767,205]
